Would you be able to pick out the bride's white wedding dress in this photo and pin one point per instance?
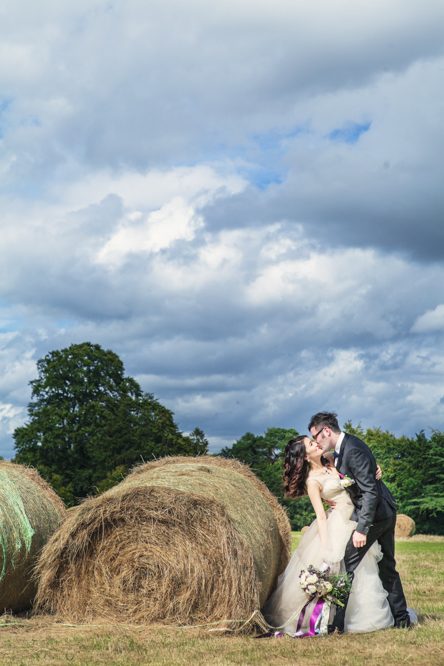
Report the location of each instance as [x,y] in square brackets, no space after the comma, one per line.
[368,608]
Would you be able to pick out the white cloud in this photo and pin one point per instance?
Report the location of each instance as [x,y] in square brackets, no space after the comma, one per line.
[431,321]
[151,189]
[11,417]
[176,218]
[174,221]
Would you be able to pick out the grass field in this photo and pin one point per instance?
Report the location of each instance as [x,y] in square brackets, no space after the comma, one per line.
[421,563]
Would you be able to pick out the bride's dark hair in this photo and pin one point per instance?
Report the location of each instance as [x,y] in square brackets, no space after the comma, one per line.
[296,467]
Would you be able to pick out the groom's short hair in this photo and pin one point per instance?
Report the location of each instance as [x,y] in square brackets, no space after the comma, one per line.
[326,419]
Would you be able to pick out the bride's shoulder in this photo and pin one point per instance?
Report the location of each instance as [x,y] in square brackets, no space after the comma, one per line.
[314,479]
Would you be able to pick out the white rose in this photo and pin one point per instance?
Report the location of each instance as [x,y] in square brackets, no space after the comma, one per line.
[312,579]
[328,586]
[311,589]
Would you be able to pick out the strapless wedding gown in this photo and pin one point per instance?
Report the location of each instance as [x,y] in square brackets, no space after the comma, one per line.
[368,608]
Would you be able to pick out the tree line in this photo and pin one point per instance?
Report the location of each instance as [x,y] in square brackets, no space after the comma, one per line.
[88,424]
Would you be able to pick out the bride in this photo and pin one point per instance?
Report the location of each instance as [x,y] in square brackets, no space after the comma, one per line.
[307,471]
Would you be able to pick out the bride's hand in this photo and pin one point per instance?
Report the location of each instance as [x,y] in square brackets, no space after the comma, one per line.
[378,473]
[359,539]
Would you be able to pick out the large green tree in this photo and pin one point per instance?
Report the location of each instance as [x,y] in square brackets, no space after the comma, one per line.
[89,423]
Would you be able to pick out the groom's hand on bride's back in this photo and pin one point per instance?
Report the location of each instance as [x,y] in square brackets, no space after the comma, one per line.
[378,473]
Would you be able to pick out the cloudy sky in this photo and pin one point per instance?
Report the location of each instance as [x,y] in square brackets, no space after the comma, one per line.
[243,199]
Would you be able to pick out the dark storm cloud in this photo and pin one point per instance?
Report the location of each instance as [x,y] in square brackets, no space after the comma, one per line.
[382,189]
[145,86]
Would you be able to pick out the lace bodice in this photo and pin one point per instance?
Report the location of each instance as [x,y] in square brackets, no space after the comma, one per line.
[331,489]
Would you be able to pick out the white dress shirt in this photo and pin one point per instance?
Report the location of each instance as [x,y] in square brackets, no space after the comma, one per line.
[338,446]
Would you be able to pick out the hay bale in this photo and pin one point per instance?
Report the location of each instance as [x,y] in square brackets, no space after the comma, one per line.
[181,540]
[30,511]
[405,526]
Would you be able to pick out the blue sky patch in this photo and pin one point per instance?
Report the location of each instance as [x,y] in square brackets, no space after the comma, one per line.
[5,103]
[349,133]
[275,139]
[266,154]
[261,176]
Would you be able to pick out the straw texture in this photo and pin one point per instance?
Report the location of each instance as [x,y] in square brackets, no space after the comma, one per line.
[30,511]
[181,540]
[405,526]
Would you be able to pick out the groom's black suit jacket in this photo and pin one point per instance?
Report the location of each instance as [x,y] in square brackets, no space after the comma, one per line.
[372,499]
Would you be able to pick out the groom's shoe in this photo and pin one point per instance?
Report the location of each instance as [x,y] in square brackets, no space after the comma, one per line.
[333,629]
[404,624]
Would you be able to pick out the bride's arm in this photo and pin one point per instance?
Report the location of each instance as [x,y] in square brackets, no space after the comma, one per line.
[314,493]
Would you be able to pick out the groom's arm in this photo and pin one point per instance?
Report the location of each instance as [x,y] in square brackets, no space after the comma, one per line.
[362,469]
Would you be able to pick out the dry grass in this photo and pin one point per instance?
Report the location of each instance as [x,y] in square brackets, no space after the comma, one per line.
[421,563]
[179,541]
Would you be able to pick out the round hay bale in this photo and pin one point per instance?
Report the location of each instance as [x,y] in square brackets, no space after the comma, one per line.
[405,526]
[181,540]
[30,511]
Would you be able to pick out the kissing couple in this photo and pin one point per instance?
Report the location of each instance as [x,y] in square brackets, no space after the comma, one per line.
[356,536]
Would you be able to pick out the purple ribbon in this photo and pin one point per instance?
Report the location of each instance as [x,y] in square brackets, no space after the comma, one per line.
[301,618]
[317,610]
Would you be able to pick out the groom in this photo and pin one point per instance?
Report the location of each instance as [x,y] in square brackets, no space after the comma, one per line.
[375,511]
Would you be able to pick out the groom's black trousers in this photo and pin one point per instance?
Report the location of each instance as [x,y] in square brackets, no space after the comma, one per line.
[384,532]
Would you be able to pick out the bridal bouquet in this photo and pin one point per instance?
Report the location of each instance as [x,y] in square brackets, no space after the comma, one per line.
[323,590]
[320,583]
